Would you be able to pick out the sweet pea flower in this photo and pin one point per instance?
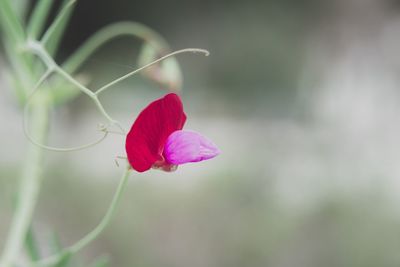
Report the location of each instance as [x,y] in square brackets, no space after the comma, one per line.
[156,139]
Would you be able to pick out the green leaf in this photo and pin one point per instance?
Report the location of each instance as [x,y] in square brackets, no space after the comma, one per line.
[64,260]
[55,244]
[10,23]
[56,248]
[20,7]
[38,18]
[58,27]
[103,261]
[31,245]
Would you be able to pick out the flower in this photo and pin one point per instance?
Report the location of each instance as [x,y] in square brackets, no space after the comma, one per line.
[156,139]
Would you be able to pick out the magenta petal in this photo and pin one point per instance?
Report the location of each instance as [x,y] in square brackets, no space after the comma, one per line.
[188,146]
[146,139]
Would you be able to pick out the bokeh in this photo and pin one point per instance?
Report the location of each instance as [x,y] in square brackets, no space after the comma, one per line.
[302,97]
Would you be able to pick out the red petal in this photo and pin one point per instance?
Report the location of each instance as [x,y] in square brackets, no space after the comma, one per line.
[146,139]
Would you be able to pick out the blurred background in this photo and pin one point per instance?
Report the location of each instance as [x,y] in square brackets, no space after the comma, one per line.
[302,97]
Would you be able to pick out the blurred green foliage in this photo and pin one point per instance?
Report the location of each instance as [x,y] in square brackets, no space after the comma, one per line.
[232,219]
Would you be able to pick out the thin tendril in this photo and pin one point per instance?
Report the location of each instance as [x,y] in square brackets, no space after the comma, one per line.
[193,50]
[114,132]
[68,77]
[51,148]
[52,66]
[111,32]
[39,50]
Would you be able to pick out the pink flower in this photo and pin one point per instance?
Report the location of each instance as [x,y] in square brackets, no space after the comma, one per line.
[188,146]
[156,139]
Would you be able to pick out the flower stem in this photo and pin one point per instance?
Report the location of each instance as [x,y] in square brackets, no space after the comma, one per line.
[92,235]
[107,218]
[29,184]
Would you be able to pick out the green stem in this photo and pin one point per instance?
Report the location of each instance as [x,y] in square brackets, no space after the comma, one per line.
[107,218]
[109,33]
[30,183]
[13,38]
[91,236]
[38,49]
